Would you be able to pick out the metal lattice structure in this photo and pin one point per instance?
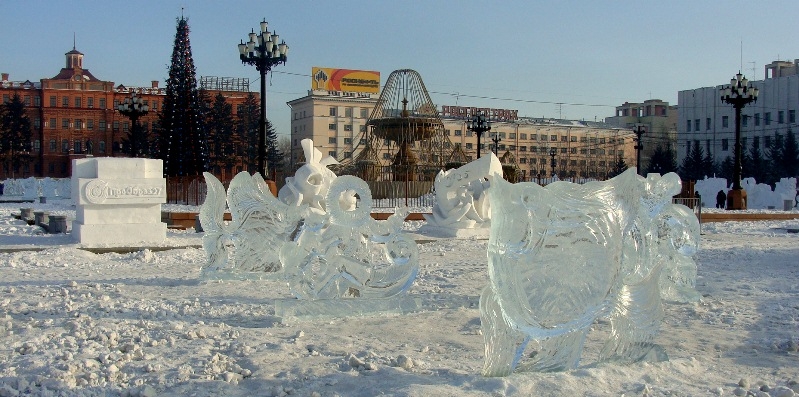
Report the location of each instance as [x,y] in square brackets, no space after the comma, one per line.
[405,138]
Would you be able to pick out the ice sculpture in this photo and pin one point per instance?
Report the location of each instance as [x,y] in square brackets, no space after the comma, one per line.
[339,253]
[346,253]
[260,225]
[461,200]
[310,183]
[564,255]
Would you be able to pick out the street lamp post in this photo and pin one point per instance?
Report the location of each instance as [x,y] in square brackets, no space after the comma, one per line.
[263,51]
[738,93]
[640,130]
[134,108]
[479,124]
[496,139]
[552,153]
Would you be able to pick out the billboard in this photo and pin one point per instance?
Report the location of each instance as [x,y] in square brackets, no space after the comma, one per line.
[345,80]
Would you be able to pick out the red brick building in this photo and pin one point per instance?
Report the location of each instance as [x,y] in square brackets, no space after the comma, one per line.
[74,115]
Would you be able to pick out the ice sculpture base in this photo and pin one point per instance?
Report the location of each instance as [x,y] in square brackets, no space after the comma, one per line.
[447,232]
[298,309]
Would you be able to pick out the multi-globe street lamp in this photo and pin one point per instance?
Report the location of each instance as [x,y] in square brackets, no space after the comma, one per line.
[496,139]
[738,93]
[263,51]
[479,124]
[135,108]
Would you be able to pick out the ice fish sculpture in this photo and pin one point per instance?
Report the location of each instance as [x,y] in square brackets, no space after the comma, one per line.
[310,183]
[461,199]
[260,225]
[562,256]
[346,253]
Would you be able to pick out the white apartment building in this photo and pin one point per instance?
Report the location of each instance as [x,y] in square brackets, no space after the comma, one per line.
[703,118]
[337,120]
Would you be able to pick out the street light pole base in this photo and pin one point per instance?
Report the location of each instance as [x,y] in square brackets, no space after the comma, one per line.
[736,199]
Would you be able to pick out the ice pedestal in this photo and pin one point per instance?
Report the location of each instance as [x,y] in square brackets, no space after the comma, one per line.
[118,201]
[562,256]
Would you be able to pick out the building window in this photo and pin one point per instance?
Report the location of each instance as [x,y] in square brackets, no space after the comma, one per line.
[78,124]
[347,112]
[688,125]
[725,121]
[27,100]
[468,145]
[364,113]
[348,127]
[125,126]
[458,132]
[101,125]
[37,145]
[101,147]
[348,141]
[77,102]
[89,124]
[724,145]
[574,150]
[65,146]
[52,101]
[331,140]
[707,123]
[78,146]
[781,116]
[757,119]
[696,125]
[37,123]
[522,148]
[52,145]
[512,135]
[523,160]
[553,138]
[116,126]
[102,103]
[564,138]
[332,111]
[362,128]
[767,118]
[767,141]
[37,101]
[65,101]
[792,116]
[155,106]
[90,102]
[65,124]
[533,137]
[522,136]
[744,120]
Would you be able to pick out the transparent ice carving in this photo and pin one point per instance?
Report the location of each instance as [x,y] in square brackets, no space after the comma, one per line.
[346,253]
[310,183]
[260,225]
[461,200]
[564,255]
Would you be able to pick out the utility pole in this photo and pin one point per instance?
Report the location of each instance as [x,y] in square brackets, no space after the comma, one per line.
[640,130]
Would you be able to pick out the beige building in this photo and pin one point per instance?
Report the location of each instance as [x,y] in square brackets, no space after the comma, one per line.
[659,120]
[336,121]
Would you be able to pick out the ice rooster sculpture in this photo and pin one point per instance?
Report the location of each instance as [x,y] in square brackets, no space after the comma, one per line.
[562,256]
[461,195]
[323,240]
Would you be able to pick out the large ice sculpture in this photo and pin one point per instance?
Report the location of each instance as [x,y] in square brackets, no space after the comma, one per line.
[310,183]
[339,253]
[461,199]
[346,253]
[260,225]
[564,255]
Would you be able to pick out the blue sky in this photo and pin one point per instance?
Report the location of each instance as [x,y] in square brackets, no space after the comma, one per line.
[528,55]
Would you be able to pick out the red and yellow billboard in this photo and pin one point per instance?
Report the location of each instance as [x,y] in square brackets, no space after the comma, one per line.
[345,80]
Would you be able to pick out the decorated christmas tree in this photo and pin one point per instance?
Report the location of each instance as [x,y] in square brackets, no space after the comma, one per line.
[184,148]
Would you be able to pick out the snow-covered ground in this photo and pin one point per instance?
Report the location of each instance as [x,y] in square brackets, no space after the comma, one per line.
[73,322]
